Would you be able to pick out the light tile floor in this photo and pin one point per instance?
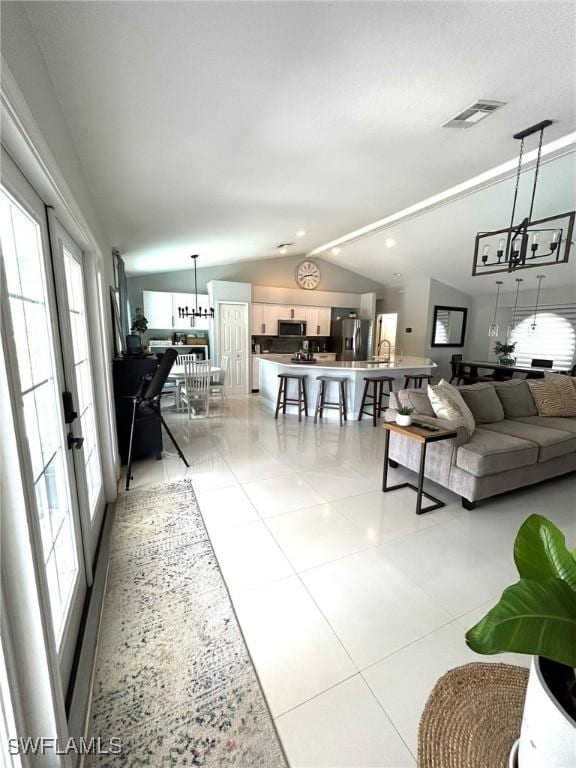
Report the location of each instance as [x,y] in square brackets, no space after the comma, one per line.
[351,605]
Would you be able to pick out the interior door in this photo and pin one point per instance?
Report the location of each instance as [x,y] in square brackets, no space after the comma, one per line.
[79,372]
[233,337]
[31,337]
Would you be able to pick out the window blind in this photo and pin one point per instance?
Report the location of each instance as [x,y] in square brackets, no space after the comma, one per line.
[553,339]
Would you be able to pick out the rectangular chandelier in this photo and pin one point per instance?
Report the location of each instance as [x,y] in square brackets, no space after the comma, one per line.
[539,243]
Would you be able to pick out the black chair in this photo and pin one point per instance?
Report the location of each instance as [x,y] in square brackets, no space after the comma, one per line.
[454,360]
[538,363]
[573,371]
[146,403]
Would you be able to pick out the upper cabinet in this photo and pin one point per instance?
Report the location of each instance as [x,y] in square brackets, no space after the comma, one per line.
[318,321]
[162,310]
[158,309]
[264,318]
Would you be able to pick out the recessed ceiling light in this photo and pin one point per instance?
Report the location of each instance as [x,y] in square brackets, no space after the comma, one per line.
[390,242]
[336,251]
[397,274]
[301,233]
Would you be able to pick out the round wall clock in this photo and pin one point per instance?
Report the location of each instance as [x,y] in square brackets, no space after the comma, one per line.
[308,275]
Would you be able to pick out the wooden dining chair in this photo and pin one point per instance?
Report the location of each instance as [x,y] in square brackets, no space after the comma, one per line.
[195,387]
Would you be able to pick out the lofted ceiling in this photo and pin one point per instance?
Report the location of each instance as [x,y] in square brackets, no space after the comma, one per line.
[223,128]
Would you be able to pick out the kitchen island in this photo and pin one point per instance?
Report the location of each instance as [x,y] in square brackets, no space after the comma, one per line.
[355,372]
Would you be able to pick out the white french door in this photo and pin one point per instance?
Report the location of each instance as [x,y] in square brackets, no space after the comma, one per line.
[233,342]
[44,327]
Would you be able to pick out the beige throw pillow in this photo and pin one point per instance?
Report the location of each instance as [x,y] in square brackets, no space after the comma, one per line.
[554,395]
[449,404]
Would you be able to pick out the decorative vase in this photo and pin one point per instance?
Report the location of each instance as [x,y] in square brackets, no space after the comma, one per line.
[403,419]
[548,733]
[507,360]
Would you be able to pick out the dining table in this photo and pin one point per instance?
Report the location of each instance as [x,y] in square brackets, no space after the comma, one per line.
[469,369]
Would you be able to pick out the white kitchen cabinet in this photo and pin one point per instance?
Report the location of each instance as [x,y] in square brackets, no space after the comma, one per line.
[158,309]
[255,372]
[318,321]
[324,320]
[264,319]
[257,319]
[161,311]
[291,312]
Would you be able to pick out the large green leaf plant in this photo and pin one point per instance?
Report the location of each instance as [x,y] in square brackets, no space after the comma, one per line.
[536,615]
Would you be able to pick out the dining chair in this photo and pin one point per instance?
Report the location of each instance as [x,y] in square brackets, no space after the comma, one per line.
[540,363]
[217,387]
[195,386]
[454,360]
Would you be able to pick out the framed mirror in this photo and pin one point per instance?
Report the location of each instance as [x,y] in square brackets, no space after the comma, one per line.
[449,326]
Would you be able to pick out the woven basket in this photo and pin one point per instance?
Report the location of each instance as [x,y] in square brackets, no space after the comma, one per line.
[472,717]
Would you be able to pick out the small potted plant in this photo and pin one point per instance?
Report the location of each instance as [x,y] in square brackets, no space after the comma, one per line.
[139,322]
[504,353]
[404,416]
[537,616]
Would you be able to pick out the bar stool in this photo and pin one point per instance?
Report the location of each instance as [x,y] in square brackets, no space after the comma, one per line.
[283,399]
[321,401]
[375,384]
[417,378]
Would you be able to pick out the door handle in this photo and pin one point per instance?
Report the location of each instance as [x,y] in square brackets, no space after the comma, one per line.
[74,442]
[68,404]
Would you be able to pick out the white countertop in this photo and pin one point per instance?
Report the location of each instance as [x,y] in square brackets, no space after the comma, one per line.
[407,363]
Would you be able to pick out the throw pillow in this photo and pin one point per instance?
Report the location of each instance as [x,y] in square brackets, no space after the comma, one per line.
[554,395]
[516,398]
[448,404]
[416,399]
[483,401]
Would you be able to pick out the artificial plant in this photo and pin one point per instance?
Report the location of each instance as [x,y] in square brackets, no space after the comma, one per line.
[139,322]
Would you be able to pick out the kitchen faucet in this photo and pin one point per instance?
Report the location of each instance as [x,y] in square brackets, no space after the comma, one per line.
[385,341]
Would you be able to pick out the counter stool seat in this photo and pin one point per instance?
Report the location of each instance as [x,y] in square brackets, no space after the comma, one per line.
[372,396]
[283,400]
[322,403]
[417,378]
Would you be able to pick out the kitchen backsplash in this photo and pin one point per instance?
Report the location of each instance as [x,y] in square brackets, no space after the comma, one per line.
[281,345]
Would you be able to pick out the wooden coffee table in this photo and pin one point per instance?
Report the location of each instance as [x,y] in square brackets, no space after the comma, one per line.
[422,436]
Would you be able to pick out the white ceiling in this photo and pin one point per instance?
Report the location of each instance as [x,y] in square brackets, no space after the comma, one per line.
[439,242]
[222,128]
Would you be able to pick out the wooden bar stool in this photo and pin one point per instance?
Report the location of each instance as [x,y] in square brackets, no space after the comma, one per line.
[321,401]
[417,378]
[283,399]
[373,392]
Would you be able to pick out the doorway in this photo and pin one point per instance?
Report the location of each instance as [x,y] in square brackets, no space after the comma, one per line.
[233,343]
[50,380]
[386,332]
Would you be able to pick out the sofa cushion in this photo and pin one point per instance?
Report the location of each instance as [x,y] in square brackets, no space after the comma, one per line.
[448,404]
[516,398]
[483,401]
[488,453]
[417,399]
[554,396]
[565,424]
[551,442]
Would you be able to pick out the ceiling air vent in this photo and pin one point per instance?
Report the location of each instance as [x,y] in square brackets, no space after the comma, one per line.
[474,113]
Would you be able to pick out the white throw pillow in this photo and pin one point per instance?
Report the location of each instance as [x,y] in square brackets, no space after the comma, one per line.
[447,403]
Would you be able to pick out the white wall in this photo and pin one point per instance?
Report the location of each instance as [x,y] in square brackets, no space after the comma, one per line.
[411,304]
[444,295]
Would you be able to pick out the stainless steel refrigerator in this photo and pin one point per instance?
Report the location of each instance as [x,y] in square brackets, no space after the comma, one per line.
[350,338]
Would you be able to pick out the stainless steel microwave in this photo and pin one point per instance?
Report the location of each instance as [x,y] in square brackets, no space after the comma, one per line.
[291,328]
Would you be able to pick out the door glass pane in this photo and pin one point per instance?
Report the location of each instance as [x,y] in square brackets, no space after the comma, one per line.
[83,371]
[21,242]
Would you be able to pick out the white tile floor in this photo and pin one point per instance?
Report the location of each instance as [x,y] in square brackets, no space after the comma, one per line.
[351,605]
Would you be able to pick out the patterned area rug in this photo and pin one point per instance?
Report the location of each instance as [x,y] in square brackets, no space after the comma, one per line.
[174,681]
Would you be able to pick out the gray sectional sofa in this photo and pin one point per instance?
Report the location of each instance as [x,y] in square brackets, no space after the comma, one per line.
[512,446]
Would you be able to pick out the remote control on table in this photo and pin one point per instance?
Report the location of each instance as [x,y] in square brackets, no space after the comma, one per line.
[427,427]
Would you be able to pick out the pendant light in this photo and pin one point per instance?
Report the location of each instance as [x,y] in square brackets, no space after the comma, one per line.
[534,323]
[197,311]
[513,322]
[532,242]
[493,327]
